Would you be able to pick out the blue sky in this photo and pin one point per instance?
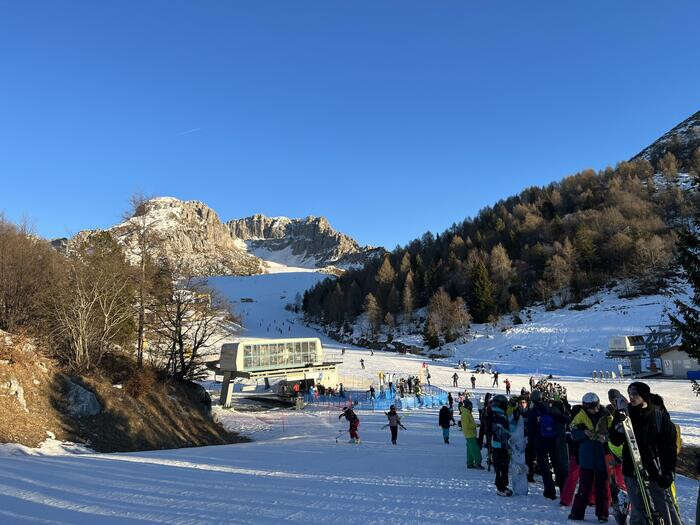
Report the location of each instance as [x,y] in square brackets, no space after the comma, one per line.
[390,118]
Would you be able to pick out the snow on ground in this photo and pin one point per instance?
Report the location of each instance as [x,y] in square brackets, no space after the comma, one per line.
[295,471]
[297,474]
[564,341]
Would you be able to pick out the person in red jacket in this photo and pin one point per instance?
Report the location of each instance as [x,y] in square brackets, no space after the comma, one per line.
[354,422]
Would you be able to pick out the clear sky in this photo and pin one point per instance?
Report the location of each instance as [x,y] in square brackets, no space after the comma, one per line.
[389,117]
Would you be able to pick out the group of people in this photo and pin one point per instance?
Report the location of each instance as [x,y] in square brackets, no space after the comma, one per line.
[582,445]
[581,451]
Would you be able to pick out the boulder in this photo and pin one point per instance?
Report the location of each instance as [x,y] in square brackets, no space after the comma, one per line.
[80,401]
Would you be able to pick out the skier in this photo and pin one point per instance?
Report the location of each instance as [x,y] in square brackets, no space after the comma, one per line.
[362,363]
[454,379]
[495,379]
[518,445]
[541,429]
[532,383]
[469,431]
[394,423]
[507,386]
[499,442]
[566,495]
[450,400]
[444,422]
[473,380]
[342,352]
[354,422]
[590,430]
[656,440]
[372,392]
[427,377]
[484,416]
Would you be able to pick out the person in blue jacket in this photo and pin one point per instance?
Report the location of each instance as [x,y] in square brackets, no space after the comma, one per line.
[500,436]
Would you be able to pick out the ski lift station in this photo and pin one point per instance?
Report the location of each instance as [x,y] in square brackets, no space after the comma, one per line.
[298,360]
[652,346]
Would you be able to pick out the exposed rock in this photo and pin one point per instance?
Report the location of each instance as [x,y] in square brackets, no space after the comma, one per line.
[15,390]
[194,240]
[80,402]
[310,242]
[682,141]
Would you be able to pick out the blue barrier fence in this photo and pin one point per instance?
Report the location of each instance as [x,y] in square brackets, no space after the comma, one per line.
[432,396]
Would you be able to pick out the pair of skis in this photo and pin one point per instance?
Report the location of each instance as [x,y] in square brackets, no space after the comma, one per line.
[652,515]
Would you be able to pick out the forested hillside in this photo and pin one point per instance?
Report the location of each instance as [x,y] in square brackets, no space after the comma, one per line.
[553,244]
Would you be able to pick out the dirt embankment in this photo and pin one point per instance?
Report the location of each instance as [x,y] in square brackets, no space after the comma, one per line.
[111,411]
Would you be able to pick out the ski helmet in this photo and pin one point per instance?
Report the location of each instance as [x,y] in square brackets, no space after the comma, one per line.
[500,401]
[590,400]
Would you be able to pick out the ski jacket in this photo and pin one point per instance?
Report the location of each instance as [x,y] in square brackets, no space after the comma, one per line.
[444,417]
[499,428]
[656,438]
[350,416]
[468,423]
[394,419]
[591,452]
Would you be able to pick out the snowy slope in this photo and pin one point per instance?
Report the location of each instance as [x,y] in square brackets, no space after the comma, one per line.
[297,474]
[294,470]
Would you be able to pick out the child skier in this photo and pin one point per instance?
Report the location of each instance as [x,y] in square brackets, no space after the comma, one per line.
[394,423]
[469,431]
[354,421]
[444,421]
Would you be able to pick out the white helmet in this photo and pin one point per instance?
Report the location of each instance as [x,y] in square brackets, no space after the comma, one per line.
[590,399]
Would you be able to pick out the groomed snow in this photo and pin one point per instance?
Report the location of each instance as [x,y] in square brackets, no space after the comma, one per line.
[295,471]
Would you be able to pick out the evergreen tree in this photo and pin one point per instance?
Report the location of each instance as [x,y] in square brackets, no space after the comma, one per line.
[407,297]
[430,334]
[482,304]
[373,312]
[688,320]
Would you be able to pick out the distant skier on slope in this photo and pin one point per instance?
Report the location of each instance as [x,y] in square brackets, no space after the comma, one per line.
[394,423]
[354,422]
[455,377]
[444,422]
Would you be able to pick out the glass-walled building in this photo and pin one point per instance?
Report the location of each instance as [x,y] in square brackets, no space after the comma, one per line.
[255,355]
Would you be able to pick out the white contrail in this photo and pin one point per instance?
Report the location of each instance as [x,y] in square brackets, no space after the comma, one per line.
[189,131]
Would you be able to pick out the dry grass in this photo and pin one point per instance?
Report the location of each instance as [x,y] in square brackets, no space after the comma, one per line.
[144,414]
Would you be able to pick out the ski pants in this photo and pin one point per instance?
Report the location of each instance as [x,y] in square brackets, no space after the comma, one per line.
[560,461]
[531,460]
[588,479]
[662,503]
[394,433]
[446,434]
[473,453]
[545,455]
[353,430]
[566,496]
[500,465]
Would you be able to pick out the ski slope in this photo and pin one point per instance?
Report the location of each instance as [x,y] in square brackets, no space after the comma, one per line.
[296,474]
[295,471]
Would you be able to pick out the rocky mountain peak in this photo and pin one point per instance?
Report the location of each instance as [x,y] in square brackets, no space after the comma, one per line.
[193,237]
[682,140]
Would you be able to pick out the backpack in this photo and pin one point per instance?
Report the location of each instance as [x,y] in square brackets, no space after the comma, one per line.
[546,426]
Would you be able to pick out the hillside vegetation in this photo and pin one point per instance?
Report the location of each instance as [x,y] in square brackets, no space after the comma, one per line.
[553,244]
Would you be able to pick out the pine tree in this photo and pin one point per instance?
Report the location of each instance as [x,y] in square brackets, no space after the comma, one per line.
[407,297]
[430,334]
[482,304]
[688,320]
[373,312]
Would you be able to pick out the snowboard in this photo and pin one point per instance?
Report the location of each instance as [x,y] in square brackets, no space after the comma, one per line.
[518,466]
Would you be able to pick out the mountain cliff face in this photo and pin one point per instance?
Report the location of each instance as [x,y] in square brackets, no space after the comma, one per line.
[192,237]
[309,242]
[683,140]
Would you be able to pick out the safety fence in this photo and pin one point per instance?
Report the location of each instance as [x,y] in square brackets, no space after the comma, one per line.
[431,396]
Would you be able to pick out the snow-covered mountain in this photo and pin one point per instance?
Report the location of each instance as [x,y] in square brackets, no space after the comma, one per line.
[193,237]
[682,141]
[309,242]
